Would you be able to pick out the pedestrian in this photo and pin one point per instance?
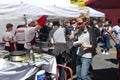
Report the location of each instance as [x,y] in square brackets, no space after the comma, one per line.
[86,44]
[106,37]
[58,39]
[69,33]
[116,39]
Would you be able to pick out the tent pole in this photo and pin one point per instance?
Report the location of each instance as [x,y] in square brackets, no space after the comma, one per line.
[25,19]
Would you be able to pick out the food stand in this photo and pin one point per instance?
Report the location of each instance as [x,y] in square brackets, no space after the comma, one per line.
[23,70]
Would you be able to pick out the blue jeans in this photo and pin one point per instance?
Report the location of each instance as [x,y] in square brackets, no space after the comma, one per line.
[82,68]
[106,38]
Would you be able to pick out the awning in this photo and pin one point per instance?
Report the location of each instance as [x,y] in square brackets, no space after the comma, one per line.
[104,4]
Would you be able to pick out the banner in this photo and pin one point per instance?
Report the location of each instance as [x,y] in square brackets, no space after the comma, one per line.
[81,3]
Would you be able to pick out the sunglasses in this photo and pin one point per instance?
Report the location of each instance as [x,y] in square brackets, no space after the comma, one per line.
[80,23]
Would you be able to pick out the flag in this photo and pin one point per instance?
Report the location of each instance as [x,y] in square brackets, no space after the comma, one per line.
[42,20]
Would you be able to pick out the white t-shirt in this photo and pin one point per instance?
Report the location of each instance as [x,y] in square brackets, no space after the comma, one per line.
[84,38]
[7,36]
[20,35]
[116,29]
[59,35]
[29,35]
[109,28]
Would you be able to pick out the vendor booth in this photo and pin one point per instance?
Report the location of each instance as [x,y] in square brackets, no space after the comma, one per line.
[21,11]
[21,71]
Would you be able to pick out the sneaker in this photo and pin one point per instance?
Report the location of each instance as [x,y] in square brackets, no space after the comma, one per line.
[107,53]
[91,75]
[103,52]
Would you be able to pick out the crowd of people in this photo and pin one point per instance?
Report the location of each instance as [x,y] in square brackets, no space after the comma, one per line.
[78,36]
[24,37]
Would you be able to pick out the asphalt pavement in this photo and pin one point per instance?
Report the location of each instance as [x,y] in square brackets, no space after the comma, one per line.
[105,66]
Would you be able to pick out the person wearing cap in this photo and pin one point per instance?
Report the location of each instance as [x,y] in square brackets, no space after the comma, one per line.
[30,32]
[20,37]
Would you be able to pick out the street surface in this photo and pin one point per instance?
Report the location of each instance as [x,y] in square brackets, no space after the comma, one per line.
[105,67]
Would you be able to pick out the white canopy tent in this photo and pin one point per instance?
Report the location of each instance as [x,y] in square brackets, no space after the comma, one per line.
[92,12]
[38,7]
[95,13]
[13,11]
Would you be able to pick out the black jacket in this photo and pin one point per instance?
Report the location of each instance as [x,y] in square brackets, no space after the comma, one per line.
[93,42]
